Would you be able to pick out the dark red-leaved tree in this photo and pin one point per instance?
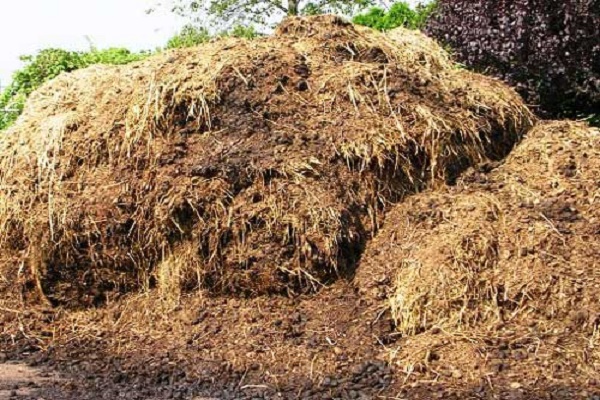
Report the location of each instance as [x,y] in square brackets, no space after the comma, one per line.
[548,49]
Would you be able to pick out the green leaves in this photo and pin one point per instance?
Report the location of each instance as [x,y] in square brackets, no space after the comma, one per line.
[228,13]
[399,15]
[192,35]
[112,56]
[336,7]
[48,64]
[11,106]
[188,37]
[241,31]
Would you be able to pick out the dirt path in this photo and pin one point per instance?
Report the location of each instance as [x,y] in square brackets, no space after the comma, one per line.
[20,381]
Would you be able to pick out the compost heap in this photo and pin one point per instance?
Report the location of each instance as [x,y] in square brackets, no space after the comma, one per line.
[499,274]
[239,166]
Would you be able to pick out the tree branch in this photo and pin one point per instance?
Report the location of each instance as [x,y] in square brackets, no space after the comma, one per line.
[277,4]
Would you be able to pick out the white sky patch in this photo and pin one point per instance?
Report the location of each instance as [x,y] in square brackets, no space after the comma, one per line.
[27,26]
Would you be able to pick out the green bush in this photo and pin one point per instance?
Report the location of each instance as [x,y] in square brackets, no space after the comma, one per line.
[48,64]
[189,36]
[399,15]
[424,12]
[11,106]
[241,31]
[112,56]
[192,35]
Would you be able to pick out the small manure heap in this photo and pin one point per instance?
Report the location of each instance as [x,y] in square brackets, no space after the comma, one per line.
[239,166]
[507,259]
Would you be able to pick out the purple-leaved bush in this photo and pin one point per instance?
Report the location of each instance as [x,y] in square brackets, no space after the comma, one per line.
[548,50]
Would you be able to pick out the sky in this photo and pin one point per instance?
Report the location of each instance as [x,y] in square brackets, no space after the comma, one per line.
[27,26]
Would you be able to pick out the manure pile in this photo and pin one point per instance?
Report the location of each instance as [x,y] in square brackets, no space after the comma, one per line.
[152,216]
[244,167]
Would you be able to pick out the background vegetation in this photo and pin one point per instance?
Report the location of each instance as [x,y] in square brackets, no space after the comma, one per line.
[192,35]
[548,50]
[401,14]
[48,64]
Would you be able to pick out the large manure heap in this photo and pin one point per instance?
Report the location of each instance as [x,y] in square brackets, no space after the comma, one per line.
[239,166]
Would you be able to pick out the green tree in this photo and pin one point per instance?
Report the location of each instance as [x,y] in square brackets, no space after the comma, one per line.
[399,15]
[192,35]
[189,36]
[424,12]
[261,12]
[241,31]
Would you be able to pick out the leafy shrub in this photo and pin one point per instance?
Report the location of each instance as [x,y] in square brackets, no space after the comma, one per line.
[399,15]
[549,50]
[241,31]
[48,64]
[112,56]
[192,35]
[11,106]
[189,36]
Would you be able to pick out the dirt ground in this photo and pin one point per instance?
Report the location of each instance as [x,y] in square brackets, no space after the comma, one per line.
[19,381]
[335,345]
[222,348]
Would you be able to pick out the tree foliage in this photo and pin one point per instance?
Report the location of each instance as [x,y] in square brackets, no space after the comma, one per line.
[549,50]
[189,36]
[192,35]
[401,14]
[241,31]
[261,12]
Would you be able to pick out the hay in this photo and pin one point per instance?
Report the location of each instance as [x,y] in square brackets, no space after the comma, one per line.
[273,160]
[421,49]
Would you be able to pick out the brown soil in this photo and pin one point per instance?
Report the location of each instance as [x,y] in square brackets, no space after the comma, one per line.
[335,345]
[239,221]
